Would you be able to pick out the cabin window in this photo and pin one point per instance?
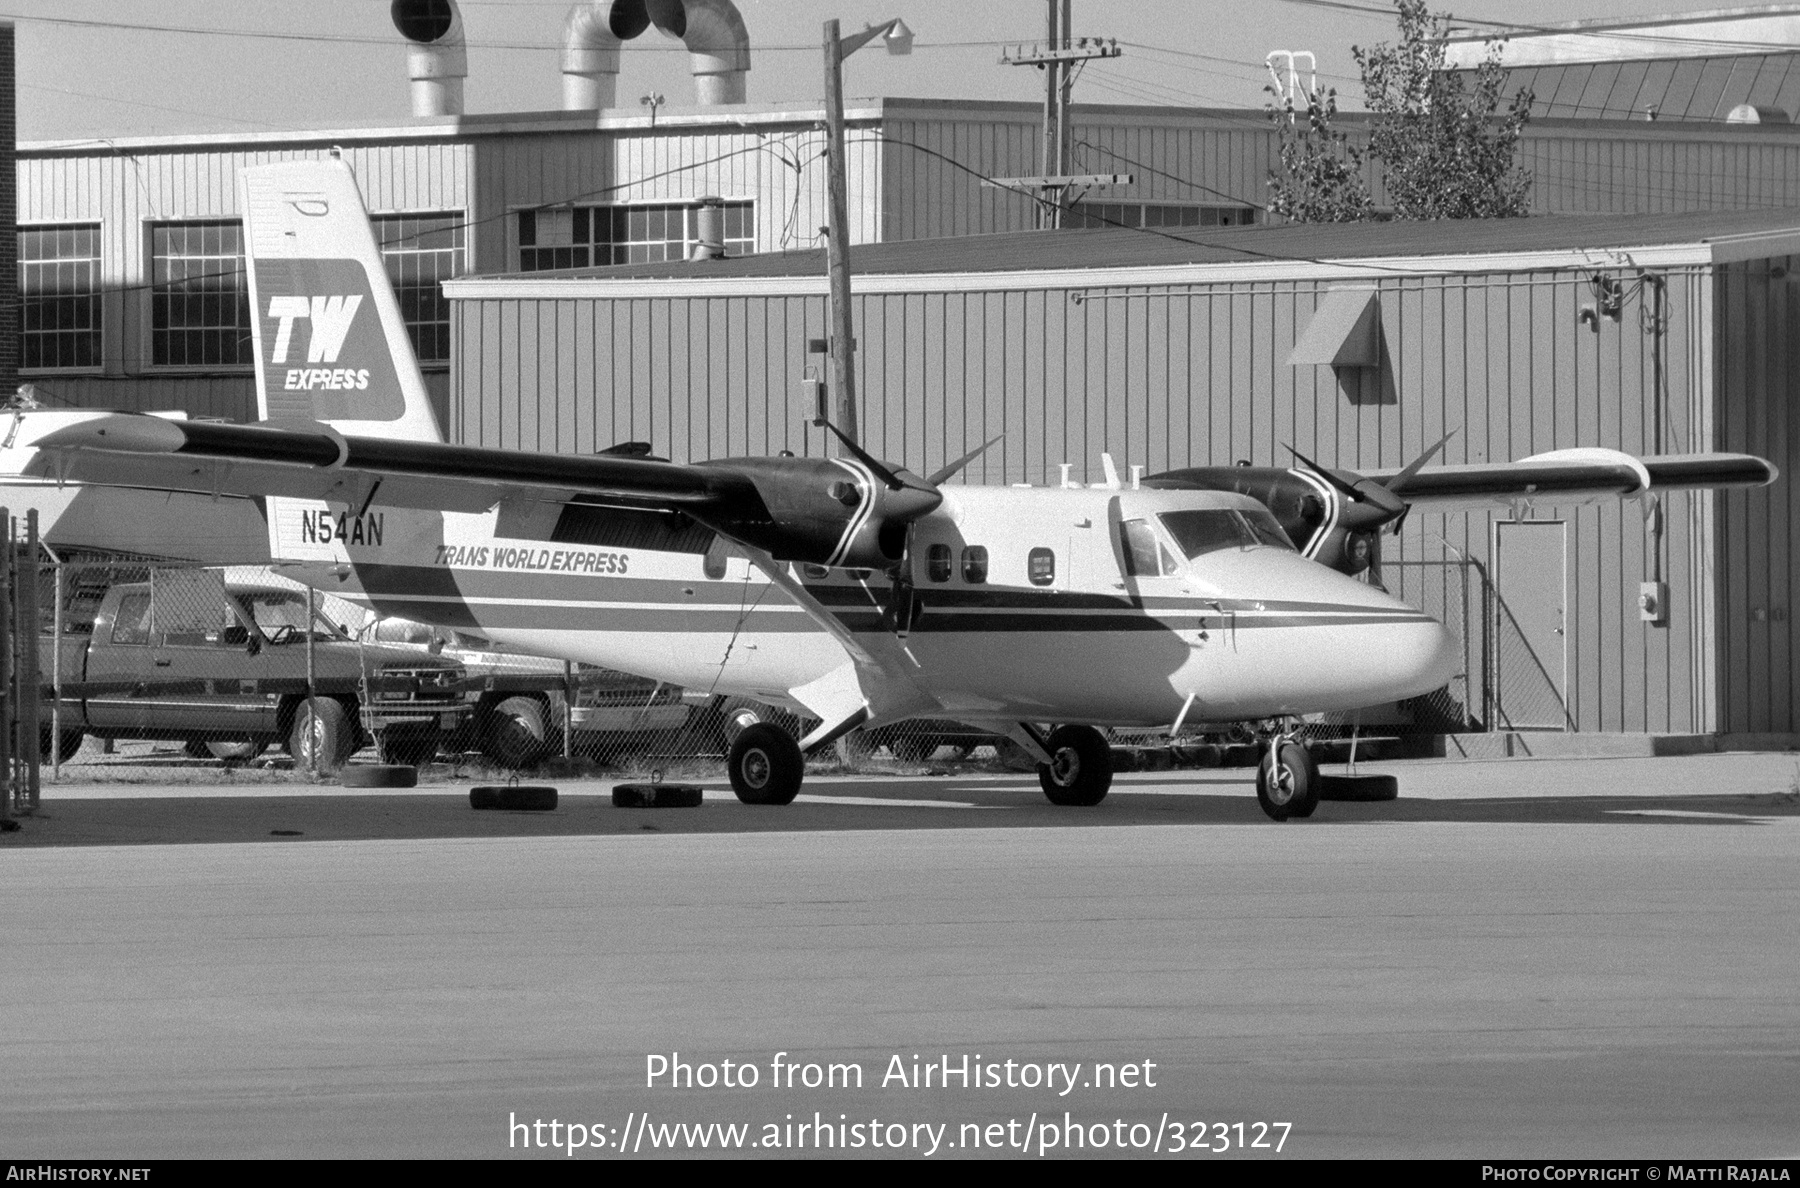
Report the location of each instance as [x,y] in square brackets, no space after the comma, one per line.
[1040,566]
[815,573]
[713,564]
[975,564]
[937,563]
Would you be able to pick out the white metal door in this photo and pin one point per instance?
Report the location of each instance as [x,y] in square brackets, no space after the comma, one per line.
[1531,624]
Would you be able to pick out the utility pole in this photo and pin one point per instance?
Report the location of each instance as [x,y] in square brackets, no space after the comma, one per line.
[841,341]
[1060,58]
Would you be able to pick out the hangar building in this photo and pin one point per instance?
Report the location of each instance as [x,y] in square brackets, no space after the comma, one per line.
[1359,345]
[131,265]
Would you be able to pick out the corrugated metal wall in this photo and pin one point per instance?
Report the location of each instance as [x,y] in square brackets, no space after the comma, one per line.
[1166,379]
[127,191]
[1757,319]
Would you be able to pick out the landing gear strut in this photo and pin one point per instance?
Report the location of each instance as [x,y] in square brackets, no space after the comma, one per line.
[1080,768]
[1287,779]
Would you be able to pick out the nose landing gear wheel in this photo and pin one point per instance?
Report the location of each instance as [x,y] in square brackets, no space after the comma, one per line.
[1080,768]
[765,765]
[1288,787]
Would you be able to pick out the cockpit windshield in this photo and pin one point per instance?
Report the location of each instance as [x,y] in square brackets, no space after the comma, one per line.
[1207,531]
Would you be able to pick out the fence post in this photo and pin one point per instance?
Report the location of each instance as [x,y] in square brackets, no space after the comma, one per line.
[9,621]
[56,681]
[568,723]
[312,709]
[31,693]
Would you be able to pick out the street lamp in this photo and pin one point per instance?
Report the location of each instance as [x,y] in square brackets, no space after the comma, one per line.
[897,38]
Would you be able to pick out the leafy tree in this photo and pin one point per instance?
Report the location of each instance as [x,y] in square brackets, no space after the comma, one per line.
[1321,174]
[1446,151]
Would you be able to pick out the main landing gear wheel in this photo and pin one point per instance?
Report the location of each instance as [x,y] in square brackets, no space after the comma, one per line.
[765,765]
[1080,768]
[1287,782]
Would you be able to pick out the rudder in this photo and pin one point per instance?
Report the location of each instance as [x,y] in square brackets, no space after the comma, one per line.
[331,344]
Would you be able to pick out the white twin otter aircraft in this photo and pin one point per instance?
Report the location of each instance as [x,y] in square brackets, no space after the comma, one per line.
[849,589]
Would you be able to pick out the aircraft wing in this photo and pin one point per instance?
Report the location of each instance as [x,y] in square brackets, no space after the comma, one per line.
[313,461]
[769,507]
[1571,476]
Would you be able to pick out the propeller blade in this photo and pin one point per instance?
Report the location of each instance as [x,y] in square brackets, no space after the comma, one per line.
[949,472]
[1417,464]
[1329,477]
[881,472]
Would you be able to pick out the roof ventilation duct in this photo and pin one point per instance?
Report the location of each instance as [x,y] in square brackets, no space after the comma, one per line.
[710,229]
[1750,113]
[712,30]
[437,57]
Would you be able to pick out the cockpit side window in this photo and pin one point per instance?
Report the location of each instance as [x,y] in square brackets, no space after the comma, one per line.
[1145,555]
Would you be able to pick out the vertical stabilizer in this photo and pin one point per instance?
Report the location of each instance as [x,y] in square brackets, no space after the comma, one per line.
[330,342]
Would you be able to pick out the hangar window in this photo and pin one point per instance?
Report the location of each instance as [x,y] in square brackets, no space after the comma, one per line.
[1158,214]
[1040,566]
[422,251]
[592,236]
[199,302]
[59,296]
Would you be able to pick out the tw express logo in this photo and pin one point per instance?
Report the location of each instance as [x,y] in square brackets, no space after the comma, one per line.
[328,321]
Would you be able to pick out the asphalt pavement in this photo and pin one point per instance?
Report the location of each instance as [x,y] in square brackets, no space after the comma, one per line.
[1532,959]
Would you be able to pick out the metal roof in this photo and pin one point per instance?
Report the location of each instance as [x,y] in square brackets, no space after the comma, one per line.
[1704,237]
[1693,88]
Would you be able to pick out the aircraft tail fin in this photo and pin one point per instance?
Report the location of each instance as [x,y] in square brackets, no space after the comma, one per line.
[330,341]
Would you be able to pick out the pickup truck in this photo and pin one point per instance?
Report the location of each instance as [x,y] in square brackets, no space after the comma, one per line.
[519,698]
[186,658]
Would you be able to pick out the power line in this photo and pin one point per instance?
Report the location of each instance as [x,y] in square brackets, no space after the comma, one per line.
[395,40]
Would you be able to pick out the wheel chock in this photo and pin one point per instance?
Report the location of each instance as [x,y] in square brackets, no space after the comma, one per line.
[380,775]
[1359,787]
[656,796]
[518,798]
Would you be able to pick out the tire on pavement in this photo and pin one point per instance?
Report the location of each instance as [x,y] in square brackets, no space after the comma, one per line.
[379,775]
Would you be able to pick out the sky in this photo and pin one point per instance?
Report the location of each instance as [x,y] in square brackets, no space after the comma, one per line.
[93,69]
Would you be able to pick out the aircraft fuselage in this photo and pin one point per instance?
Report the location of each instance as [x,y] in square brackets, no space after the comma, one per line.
[1037,604]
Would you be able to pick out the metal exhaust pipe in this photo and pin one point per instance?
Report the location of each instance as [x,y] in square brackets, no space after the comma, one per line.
[437,57]
[713,31]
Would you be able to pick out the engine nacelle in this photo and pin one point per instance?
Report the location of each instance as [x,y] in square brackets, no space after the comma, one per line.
[826,511]
[1321,522]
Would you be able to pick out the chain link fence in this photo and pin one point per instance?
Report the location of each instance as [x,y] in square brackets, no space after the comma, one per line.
[152,673]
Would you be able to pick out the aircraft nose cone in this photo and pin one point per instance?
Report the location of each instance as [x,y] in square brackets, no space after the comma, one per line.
[1315,640]
[1413,657]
